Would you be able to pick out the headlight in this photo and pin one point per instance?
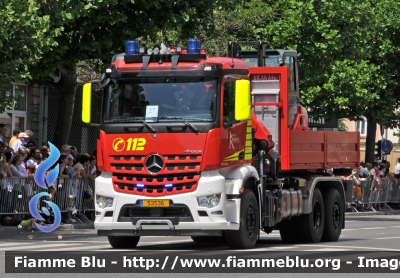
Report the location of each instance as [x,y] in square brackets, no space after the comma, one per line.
[103,202]
[209,201]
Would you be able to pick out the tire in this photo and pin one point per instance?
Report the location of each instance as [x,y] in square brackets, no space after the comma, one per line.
[123,242]
[333,215]
[311,226]
[209,239]
[249,226]
[288,231]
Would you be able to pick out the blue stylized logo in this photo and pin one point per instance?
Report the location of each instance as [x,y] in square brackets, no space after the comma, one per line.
[45,181]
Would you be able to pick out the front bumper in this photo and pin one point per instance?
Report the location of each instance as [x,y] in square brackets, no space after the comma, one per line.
[110,221]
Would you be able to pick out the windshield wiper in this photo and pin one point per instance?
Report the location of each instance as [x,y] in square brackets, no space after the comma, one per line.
[191,126]
[148,126]
[183,120]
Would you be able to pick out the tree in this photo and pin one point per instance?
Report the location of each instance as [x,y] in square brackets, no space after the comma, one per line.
[356,51]
[22,37]
[96,29]
[350,54]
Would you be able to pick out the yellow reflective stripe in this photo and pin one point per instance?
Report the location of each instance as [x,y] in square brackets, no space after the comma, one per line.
[248,156]
[249,130]
[248,143]
[232,159]
[248,150]
[249,123]
[248,136]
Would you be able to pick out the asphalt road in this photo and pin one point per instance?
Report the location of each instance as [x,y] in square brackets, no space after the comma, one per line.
[362,233]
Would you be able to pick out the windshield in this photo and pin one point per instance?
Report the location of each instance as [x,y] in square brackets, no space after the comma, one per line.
[160,99]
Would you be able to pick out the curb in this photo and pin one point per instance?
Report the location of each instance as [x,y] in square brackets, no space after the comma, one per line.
[372,213]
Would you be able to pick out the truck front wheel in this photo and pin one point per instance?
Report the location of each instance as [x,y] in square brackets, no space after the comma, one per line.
[311,226]
[123,242]
[333,215]
[249,226]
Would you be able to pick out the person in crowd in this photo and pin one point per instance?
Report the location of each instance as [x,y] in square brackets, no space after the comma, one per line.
[72,188]
[24,152]
[5,161]
[26,222]
[367,169]
[2,158]
[44,151]
[33,161]
[92,168]
[14,138]
[397,169]
[31,144]
[16,167]
[20,142]
[378,183]
[18,171]
[63,162]
[3,134]
[374,170]
[29,133]
[82,166]
[65,149]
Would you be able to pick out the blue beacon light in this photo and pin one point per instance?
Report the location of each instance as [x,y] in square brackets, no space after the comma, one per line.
[193,46]
[169,185]
[132,47]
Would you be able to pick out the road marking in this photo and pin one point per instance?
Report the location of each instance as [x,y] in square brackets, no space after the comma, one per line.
[329,249]
[284,247]
[357,247]
[164,242]
[37,247]
[373,228]
[75,248]
[387,237]
[138,250]
[18,243]
[345,230]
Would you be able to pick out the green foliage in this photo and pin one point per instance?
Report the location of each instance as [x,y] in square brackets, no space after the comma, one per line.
[23,36]
[342,125]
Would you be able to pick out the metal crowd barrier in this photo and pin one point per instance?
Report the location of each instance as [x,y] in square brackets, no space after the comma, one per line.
[72,194]
[369,193]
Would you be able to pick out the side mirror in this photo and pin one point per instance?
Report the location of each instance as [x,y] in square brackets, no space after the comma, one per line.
[86,103]
[242,100]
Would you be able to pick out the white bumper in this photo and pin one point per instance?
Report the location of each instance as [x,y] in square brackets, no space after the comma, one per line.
[210,183]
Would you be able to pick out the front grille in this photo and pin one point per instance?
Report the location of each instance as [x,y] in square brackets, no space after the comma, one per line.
[177,212]
[181,174]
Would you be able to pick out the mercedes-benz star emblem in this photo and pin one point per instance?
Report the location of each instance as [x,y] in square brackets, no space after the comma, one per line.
[154,163]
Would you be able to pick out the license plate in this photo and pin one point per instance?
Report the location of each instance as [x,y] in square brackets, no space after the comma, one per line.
[154,203]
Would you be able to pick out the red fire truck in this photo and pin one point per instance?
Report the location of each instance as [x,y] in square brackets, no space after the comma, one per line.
[213,147]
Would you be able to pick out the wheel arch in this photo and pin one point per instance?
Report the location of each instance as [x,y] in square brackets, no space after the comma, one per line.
[324,184]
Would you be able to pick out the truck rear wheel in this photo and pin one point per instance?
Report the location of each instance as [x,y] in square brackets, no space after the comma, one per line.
[311,226]
[333,216]
[249,226]
[288,231]
[123,242]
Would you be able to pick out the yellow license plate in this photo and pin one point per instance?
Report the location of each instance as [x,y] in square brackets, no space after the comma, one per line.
[154,203]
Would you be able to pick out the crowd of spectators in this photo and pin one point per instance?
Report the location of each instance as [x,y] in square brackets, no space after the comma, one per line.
[376,173]
[20,157]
